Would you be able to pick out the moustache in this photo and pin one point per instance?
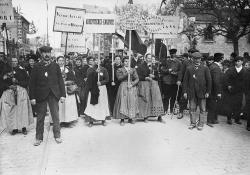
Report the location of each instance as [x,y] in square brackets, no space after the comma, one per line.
[46,56]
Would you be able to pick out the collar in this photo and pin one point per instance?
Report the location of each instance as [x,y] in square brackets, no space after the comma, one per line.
[238,69]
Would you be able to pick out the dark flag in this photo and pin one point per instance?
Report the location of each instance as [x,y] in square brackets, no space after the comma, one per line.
[136,42]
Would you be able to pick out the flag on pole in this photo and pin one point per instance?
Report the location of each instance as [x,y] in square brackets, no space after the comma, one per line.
[136,43]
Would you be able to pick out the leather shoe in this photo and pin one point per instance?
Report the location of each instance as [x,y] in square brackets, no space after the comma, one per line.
[199,128]
[191,126]
[37,142]
[58,140]
[229,122]
[159,119]
[238,122]
[122,122]
[14,132]
[24,131]
[215,122]
[210,124]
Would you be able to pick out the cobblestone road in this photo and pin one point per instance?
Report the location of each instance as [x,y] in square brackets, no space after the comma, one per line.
[144,148]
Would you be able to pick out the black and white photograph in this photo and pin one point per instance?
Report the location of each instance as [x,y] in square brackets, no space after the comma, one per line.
[124,87]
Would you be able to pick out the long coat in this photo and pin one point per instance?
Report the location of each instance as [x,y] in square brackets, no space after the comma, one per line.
[216,75]
[46,79]
[197,82]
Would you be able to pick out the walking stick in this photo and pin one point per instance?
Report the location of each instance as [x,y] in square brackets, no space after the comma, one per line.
[175,110]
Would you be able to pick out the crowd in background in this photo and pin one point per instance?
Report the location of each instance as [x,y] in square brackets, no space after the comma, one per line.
[101,90]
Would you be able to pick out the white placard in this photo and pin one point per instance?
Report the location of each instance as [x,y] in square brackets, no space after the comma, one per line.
[170,27]
[69,20]
[76,42]
[99,23]
[6,12]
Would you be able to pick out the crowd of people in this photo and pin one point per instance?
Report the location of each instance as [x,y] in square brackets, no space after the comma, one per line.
[101,89]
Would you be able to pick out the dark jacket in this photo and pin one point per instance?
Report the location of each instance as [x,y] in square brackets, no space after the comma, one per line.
[216,75]
[41,86]
[4,68]
[197,82]
[235,80]
[171,77]
[79,75]
[91,84]
[185,64]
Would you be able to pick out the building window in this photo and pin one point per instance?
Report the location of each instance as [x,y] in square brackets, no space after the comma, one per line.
[208,33]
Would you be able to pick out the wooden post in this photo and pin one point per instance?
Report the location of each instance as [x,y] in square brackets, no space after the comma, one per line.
[99,55]
[130,53]
[65,52]
[113,66]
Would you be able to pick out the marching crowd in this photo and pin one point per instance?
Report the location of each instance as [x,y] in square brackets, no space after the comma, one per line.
[146,87]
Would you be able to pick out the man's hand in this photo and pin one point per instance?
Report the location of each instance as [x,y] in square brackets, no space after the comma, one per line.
[229,88]
[185,95]
[178,83]
[206,95]
[113,83]
[99,83]
[219,96]
[151,76]
[148,79]
[62,99]
[5,76]
[33,102]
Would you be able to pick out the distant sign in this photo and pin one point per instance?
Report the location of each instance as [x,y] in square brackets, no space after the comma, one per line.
[130,23]
[6,12]
[99,23]
[69,20]
[76,42]
[153,24]
[170,27]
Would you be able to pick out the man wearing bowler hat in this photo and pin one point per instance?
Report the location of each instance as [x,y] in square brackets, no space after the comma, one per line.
[46,87]
[196,88]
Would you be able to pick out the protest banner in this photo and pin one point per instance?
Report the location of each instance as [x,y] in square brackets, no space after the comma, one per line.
[170,27]
[99,23]
[6,12]
[75,43]
[69,20]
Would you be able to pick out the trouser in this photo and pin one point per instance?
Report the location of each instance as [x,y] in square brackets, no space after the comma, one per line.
[212,114]
[235,106]
[247,109]
[169,92]
[41,109]
[194,103]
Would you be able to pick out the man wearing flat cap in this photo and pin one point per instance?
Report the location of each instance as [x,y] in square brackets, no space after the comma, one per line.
[46,87]
[171,79]
[196,88]
[235,83]
[216,91]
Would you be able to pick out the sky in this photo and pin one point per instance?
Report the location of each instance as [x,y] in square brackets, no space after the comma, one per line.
[35,10]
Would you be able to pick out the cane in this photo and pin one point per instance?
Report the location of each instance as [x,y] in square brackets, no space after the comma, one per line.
[175,103]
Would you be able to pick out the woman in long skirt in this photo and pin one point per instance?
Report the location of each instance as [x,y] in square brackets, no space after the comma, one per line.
[68,110]
[126,104]
[150,101]
[97,104]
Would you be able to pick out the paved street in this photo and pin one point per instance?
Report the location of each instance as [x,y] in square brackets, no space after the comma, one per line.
[144,148]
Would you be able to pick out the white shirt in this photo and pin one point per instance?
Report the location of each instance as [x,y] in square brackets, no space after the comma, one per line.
[238,69]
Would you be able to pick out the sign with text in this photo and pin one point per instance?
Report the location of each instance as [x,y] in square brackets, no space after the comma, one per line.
[76,42]
[69,20]
[99,23]
[6,12]
[170,27]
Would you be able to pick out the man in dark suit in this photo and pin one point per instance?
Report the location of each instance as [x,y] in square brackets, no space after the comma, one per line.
[171,76]
[216,91]
[46,87]
[197,87]
[235,83]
